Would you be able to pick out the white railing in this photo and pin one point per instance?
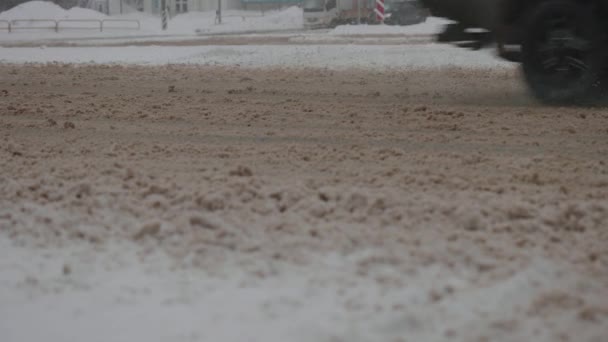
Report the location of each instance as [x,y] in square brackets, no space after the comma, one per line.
[5,25]
[70,24]
[133,24]
[79,24]
[34,24]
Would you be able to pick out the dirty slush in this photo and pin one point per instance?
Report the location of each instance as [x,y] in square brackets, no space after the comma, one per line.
[450,181]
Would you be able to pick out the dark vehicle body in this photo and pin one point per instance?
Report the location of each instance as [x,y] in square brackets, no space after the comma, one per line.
[561,44]
[405,12]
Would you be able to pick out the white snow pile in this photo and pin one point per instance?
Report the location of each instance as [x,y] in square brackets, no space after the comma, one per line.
[233,21]
[48,10]
[432,25]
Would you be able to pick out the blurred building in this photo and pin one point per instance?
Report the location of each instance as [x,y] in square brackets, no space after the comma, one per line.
[116,7]
[113,7]
[183,6]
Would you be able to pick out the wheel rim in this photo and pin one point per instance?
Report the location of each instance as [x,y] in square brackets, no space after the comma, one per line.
[563,45]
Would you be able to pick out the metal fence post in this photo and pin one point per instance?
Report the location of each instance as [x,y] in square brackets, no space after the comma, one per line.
[219,11]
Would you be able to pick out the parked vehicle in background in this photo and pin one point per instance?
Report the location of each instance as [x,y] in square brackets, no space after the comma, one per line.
[562,45]
[407,12]
[329,13]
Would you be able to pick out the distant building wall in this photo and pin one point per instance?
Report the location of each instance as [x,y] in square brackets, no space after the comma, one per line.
[111,7]
[181,6]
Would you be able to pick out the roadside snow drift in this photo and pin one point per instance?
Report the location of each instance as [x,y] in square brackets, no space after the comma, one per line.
[48,10]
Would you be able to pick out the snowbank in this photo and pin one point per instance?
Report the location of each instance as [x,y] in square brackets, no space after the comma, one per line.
[48,10]
[432,25]
[84,13]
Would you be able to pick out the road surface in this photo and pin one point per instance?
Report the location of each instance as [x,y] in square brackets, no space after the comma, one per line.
[305,204]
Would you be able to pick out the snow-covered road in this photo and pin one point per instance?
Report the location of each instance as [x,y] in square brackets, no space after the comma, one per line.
[351,185]
[193,203]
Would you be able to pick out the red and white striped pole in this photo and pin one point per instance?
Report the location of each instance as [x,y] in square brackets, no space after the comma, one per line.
[163,14]
[379,11]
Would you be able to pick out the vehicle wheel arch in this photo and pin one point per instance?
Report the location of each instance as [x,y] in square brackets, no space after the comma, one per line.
[515,11]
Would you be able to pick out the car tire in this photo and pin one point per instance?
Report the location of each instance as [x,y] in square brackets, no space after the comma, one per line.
[563,55]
